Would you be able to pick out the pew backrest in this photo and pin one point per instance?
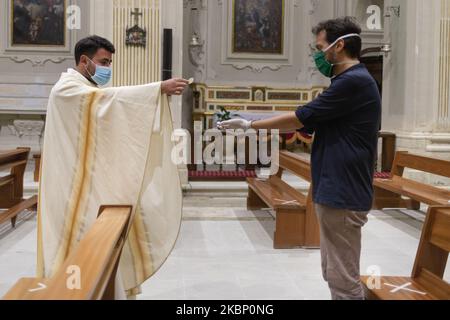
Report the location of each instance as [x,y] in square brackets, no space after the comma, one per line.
[94,263]
[432,255]
[295,164]
[430,165]
[11,184]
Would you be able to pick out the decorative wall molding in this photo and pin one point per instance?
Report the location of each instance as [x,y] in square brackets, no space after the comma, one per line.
[428,142]
[37,61]
[439,143]
[197,48]
[28,128]
[249,61]
[256,67]
[208,100]
[7,48]
[26,133]
[196,55]
[212,63]
[217,66]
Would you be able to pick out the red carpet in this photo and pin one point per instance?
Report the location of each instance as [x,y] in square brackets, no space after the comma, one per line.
[382,175]
[222,175]
[244,174]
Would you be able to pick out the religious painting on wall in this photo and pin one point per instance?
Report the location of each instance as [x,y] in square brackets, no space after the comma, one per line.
[258,26]
[38,23]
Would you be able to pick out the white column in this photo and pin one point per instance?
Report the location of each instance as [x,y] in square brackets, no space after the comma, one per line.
[101,18]
[411,78]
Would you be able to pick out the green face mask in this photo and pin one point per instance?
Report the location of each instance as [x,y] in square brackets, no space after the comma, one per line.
[322,64]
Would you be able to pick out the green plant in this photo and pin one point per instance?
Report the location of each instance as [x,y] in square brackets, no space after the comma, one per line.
[223,115]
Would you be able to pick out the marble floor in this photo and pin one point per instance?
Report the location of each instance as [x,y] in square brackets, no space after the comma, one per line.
[225,252]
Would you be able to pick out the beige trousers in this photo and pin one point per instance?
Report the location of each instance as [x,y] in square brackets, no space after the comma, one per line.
[340,247]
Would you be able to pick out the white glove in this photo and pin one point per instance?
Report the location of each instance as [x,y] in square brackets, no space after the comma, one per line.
[235,124]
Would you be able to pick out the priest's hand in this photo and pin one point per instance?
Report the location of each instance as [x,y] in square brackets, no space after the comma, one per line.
[235,124]
[174,86]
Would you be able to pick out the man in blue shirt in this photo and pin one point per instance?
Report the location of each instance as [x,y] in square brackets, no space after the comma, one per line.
[346,120]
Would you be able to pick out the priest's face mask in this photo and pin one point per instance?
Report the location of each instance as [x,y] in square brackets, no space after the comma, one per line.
[98,68]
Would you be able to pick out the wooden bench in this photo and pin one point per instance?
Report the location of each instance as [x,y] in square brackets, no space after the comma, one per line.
[388,147]
[96,257]
[37,166]
[296,222]
[11,185]
[426,281]
[390,193]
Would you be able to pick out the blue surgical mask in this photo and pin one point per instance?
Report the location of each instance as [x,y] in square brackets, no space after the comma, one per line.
[102,74]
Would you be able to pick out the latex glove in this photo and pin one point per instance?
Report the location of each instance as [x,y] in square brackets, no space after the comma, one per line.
[235,124]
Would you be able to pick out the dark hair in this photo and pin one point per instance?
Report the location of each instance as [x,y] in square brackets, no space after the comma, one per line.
[90,45]
[337,28]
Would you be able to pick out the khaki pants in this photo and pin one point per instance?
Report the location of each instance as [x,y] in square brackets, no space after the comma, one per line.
[340,247]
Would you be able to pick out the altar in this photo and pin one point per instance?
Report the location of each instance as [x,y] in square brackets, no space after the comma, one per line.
[212,104]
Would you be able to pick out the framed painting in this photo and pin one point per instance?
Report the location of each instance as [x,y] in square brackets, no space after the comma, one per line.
[38,24]
[258,26]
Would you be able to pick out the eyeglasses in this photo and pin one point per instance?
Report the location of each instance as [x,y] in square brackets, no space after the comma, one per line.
[104,63]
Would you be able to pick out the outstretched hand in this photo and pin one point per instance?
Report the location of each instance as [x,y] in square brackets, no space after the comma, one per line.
[235,124]
[174,86]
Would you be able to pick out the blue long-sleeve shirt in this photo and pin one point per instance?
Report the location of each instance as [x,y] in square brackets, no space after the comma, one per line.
[346,119]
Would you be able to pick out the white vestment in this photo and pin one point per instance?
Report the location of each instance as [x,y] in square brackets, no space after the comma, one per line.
[108,146]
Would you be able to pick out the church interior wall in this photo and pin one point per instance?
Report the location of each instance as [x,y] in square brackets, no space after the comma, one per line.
[411,108]
[26,79]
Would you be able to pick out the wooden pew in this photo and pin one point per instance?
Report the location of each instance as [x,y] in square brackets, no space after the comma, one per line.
[97,257]
[426,281]
[296,222]
[388,147]
[37,166]
[11,185]
[389,193]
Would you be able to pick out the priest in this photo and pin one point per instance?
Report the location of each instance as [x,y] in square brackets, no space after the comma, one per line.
[108,146]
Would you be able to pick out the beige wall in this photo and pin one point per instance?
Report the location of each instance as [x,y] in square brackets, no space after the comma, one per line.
[26,78]
[411,70]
